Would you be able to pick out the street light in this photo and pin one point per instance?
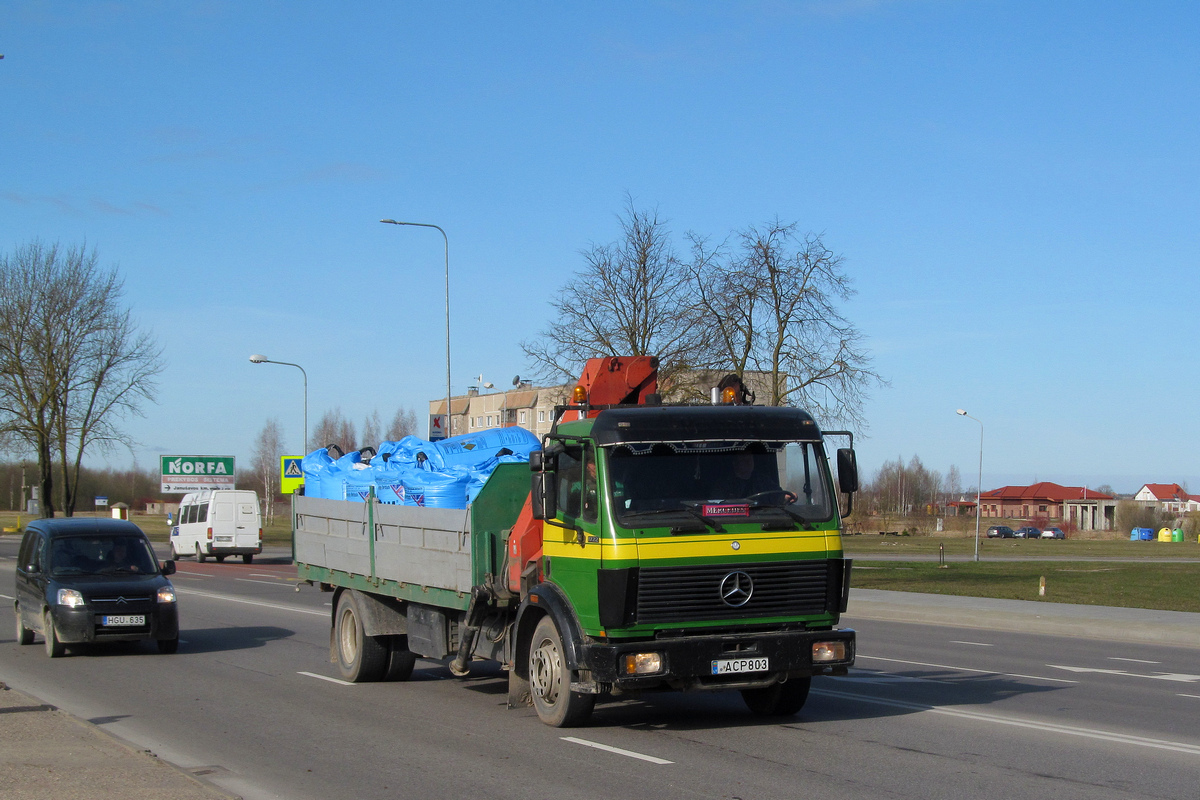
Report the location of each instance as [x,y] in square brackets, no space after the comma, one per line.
[261,359]
[447,242]
[979,484]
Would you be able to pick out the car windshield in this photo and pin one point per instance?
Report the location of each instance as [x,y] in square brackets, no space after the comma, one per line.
[703,482]
[101,555]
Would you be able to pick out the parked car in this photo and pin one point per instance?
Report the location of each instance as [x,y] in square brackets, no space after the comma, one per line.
[1053,533]
[92,580]
[1027,532]
[1000,532]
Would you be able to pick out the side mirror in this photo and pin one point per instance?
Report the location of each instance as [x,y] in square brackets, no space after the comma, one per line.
[542,496]
[536,461]
[168,568]
[847,467]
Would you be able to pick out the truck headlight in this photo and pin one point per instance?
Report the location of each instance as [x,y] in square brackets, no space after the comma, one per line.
[166,595]
[643,663]
[828,651]
[70,598]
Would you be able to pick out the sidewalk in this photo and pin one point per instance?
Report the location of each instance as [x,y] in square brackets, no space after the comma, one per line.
[45,753]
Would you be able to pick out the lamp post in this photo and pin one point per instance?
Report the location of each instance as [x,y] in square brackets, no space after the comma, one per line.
[261,359]
[979,484]
[446,240]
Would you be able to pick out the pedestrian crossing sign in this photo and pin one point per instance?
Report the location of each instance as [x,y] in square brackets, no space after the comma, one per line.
[291,475]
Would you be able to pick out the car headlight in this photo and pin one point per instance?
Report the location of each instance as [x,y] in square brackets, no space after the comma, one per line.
[166,594]
[70,598]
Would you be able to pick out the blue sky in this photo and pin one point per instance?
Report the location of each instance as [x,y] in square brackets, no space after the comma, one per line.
[1014,187]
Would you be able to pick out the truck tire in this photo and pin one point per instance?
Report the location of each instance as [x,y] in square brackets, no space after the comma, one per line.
[400,661]
[360,658]
[54,648]
[199,554]
[781,700]
[24,635]
[550,680]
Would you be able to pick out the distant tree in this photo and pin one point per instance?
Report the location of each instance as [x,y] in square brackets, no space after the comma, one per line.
[774,300]
[404,423]
[632,297]
[73,363]
[1104,488]
[264,459]
[953,482]
[334,428]
[1132,514]
[372,430]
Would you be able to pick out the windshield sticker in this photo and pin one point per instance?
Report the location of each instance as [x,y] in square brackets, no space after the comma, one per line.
[739,510]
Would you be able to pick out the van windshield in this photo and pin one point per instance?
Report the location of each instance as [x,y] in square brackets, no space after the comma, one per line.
[101,555]
[719,479]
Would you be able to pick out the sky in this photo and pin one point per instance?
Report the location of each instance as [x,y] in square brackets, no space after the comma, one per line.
[1014,188]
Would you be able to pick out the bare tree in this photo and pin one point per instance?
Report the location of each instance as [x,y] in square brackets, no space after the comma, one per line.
[953,482]
[72,362]
[264,458]
[630,298]
[334,428]
[773,301]
[372,429]
[403,424]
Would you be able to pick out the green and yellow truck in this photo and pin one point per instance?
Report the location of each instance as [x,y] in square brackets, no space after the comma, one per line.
[681,547]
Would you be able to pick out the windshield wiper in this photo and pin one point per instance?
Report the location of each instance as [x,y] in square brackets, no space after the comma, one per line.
[691,512]
[807,524]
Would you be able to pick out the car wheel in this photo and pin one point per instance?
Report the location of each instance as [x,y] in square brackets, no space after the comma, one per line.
[360,658]
[24,635]
[200,554]
[54,648]
[247,558]
[781,700]
[550,680]
[168,646]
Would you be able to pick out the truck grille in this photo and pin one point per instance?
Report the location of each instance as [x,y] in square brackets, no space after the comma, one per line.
[685,594]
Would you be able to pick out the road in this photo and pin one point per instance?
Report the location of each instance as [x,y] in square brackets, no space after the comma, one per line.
[251,703]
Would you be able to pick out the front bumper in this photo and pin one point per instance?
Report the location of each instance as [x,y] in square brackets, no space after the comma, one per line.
[688,661]
[78,625]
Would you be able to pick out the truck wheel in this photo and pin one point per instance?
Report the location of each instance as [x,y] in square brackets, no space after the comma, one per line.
[400,661]
[360,658]
[199,553]
[24,635]
[54,648]
[780,700]
[550,680]
[247,558]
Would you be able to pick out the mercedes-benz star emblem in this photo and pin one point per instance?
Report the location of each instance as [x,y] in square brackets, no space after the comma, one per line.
[736,588]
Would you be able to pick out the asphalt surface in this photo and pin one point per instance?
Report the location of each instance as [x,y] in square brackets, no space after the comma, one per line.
[45,752]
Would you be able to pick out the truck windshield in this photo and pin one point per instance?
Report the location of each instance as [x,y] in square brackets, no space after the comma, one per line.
[719,480]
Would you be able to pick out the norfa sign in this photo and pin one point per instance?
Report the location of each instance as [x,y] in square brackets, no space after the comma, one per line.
[195,473]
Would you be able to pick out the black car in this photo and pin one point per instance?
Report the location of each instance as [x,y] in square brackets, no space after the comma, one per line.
[1000,532]
[1028,532]
[93,580]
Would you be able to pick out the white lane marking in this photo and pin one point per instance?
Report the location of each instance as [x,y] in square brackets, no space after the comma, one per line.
[260,575]
[1180,677]
[967,669]
[1193,696]
[1134,660]
[978,716]
[251,580]
[326,678]
[179,571]
[617,750]
[976,644]
[6,597]
[279,606]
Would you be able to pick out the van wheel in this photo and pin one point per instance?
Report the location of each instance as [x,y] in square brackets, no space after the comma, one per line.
[781,700]
[550,680]
[24,635]
[200,554]
[54,648]
[168,646]
[360,658]
[247,558]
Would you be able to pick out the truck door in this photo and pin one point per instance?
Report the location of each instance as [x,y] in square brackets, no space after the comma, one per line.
[571,541]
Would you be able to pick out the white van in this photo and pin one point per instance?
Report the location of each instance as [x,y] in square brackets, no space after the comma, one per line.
[218,523]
